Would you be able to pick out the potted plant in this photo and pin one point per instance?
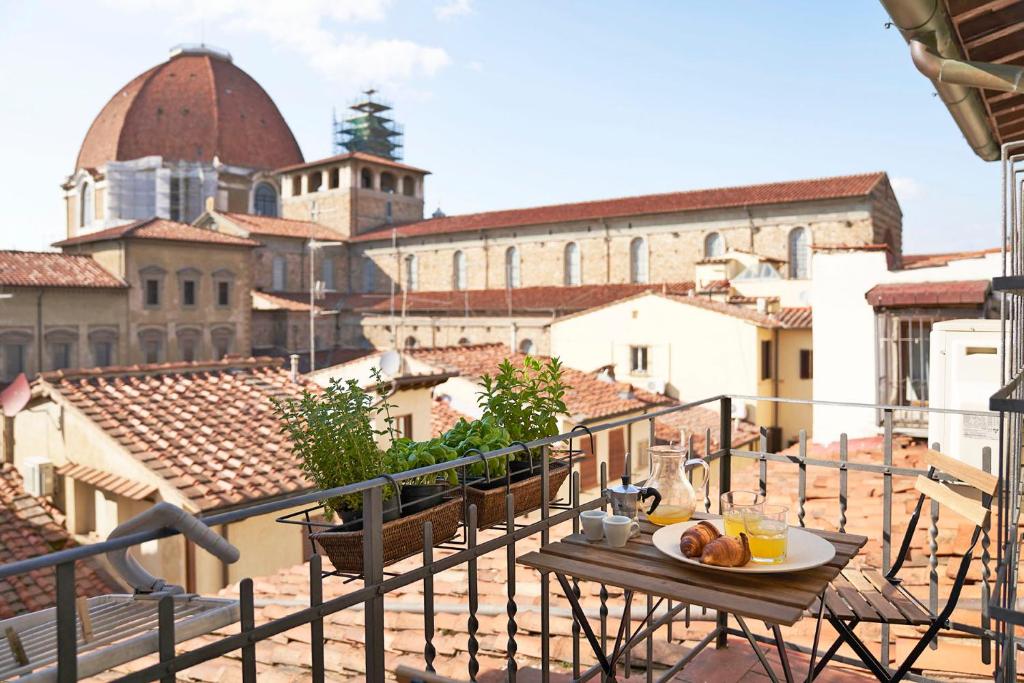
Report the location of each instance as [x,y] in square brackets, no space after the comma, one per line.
[333,434]
[421,493]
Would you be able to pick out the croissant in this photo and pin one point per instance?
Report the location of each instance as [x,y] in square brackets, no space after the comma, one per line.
[726,551]
[693,540]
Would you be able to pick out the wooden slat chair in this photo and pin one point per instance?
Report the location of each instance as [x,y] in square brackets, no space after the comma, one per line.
[867,595]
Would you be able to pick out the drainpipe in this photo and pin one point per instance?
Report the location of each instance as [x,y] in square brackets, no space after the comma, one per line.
[926,22]
[39,331]
[1003,77]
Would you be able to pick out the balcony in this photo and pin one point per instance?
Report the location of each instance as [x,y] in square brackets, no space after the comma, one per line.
[467,610]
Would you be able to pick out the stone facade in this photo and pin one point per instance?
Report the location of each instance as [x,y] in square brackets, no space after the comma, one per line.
[381,331]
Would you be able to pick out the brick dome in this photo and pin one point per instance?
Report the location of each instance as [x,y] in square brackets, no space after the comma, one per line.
[195,106]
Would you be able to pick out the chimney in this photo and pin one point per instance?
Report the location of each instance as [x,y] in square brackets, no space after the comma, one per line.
[762,304]
[210,202]
[294,372]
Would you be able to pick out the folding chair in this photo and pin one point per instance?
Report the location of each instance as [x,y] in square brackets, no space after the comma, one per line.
[866,595]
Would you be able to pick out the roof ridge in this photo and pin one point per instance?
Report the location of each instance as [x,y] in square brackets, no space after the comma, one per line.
[139,369]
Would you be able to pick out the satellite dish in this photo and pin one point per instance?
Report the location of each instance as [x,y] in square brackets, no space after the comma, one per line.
[391,363]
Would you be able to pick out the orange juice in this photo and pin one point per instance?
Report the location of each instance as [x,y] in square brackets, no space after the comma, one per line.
[734,525]
[767,540]
[664,515]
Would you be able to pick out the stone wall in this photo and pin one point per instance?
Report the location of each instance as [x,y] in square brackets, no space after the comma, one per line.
[379,332]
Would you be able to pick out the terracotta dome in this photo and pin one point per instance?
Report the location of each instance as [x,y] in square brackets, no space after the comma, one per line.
[195,106]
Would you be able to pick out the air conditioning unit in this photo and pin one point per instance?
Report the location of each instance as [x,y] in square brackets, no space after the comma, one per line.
[655,385]
[39,477]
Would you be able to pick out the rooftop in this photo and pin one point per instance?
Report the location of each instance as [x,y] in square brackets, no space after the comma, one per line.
[351,156]
[29,527]
[589,398]
[952,293]
[913,261]
[159,229]
[53,269]
[163,416]
[271,226]
[292,301]
[539,300]
[674,202]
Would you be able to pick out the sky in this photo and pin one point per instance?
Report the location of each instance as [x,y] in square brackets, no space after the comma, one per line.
[520,103]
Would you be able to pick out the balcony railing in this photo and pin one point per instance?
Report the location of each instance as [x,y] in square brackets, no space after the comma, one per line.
[806,465]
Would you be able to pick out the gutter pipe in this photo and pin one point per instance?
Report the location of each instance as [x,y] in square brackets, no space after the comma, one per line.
[926,23]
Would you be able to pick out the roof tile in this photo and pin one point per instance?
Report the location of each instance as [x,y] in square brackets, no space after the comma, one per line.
[159,229]
[951,293]
[53,269]
[279,227]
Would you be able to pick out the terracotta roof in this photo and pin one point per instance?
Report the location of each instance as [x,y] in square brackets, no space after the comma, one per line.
[696,422]
[159,229]
[673,202]
[266,301]
[543,300]
[742,312]
[105,481]
[443,417]
[279,227]
[208,428]
[360,156]
[30,527]
[193,107]
[796,317]
[912,261]
[589,398]
[952,293]
[53,269]
[716,286]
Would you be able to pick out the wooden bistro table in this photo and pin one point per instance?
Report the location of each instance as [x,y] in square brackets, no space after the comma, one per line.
[639,567]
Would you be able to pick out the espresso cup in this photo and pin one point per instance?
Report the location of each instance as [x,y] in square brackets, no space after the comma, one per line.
[617,529]
[593,524]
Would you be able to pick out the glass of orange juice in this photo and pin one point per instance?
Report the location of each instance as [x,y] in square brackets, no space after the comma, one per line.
[768,534]
[734,505]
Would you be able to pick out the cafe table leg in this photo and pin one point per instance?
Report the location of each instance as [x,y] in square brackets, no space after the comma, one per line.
[817,636]
[783,653]
[757,650]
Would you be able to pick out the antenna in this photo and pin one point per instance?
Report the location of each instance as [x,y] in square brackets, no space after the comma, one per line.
[391,363]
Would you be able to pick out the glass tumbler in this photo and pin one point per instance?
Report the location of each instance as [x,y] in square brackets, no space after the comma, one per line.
[734,505]
[768,534]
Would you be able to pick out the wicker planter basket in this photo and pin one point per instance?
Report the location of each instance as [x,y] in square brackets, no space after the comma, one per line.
[402,537]
[490,503]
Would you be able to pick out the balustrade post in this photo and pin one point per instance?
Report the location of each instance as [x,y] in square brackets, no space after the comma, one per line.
[724,484]
[373,575]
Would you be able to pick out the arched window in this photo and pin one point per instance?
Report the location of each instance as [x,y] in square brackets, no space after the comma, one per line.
[327,272]
[369,274]
[638,260]
[387,182]
[714,245]
[264,201]
[459,270]
[410,342]
[512,267]
[408,186]
[279,274]
[464,341]
[366,179]
[527,346]
[86,215]
[412,275]
[799,254]
[572,264]
[314,180]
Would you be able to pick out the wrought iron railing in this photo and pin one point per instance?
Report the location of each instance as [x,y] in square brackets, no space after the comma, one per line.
[375,584]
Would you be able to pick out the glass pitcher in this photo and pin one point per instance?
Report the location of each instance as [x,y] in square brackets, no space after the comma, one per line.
[669,466]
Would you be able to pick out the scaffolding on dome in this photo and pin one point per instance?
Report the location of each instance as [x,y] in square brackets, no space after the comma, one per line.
[368,131]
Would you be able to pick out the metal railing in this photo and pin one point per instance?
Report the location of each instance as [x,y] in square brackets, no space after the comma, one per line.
[375,584]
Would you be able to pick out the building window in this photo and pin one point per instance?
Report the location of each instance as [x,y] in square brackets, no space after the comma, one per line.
[264,201]
[188,292]
[410,342]
[459,270]
[152,344]
[512,267]
[222,338]
[903,355]
[279,274]
[60,355]
[366,179]
[572,264]
[86,211]
[296,185]
[314,180]
[766,359]
[464,341]
[369,274]
[327,273]
[152,292]
[638,261]
[387,182]
[408,186]
[412,276]
[799,254]
[102,353]
[638,360]
[333,178]
[223,293]
[714,245]
[188,345]
[403,426]
[806,364]
[15,356]
[527,346]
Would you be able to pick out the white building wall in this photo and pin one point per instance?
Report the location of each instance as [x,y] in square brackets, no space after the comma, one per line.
[844,330]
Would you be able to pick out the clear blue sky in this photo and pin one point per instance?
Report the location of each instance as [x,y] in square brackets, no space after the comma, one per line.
[522,103]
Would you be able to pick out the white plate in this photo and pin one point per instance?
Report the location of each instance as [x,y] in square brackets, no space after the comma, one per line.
[805,551]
